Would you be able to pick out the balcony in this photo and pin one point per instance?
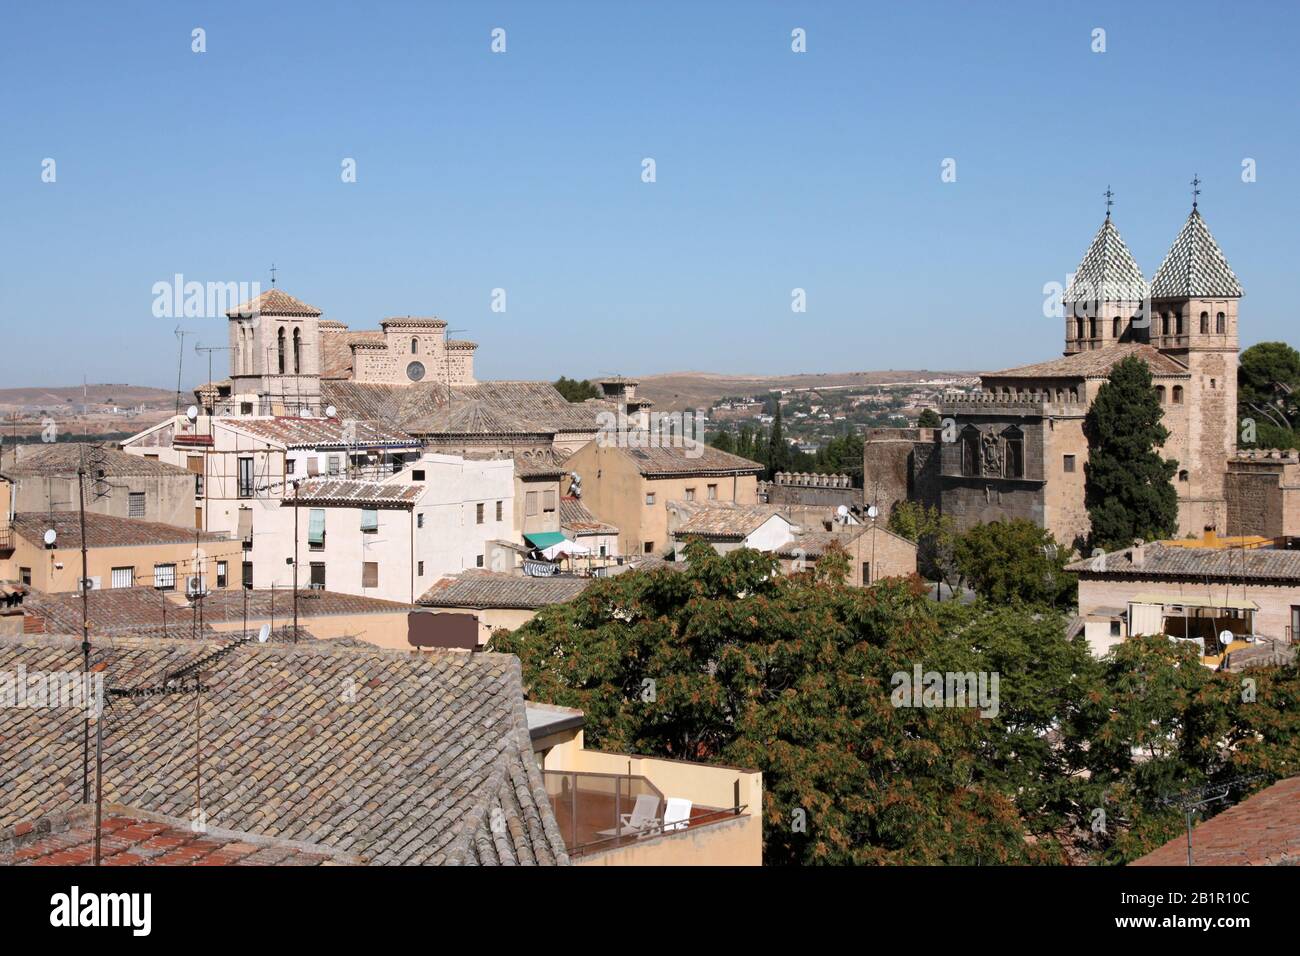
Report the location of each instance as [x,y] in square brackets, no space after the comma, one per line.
[6,540]
[600,812]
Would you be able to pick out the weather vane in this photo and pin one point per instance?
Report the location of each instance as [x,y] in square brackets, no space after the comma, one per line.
[1110,200]
[272,273]
[1196,188]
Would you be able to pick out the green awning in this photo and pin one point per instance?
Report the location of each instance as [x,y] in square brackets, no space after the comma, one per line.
[544,539]
[316,526]
[369,519]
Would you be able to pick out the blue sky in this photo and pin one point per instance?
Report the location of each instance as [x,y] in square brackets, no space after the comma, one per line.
[522,171]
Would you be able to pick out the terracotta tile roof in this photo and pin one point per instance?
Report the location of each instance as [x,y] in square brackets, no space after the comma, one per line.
[105,531]
[814,544]
[1203,564]
[673,461]
[336,349]
[1108,272]
[1262,830]
[294,432]
[484,589]
[1095,363]
[577,519]
[264,604]
[387,756]
[274,302]
[61,459]
[545,464]
[532,408]
[1195,266]
[339,491]
[722,519]
[141,611]
[134,837]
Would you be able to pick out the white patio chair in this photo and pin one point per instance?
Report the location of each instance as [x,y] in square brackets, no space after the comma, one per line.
[677,814]
[644,816]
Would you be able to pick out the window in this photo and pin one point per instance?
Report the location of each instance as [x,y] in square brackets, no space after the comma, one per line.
[1220,323]
[291,466]
[1184,476]
[369,521]
[135,504]
[1178,326]
[1078,328]
[530,503]
[1160,394]
[297,351]
[548,500]
[245,408]
[1213,383]
[334,465]
[417,474]
[123,577]
[419,520]
[690,494]
[194,463]
[478,513]
[1205,323]
[415,346]
[1115,327]
[478,561]
[370,574]
[313,466]
[279,345]
[419,568]
[318,575]
[1013,460]
[500,509]
[1068,464]
[246,573]
[1164,323]
[1178,395]
[650,498]
[866,572]
[713,492]
[649,547]
[1092,328]
[603,549]
[222,574]
[316,529]
[245,477]
[25,575]
[970,451]
[164,577]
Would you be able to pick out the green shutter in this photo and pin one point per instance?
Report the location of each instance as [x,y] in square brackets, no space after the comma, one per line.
[316,526]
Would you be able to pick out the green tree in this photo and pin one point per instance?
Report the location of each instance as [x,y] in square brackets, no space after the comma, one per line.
[1268,393]
[934,535]
[1006,561]
[576,391]
[929,419]
[724,441]
[1128,488]
[779,457]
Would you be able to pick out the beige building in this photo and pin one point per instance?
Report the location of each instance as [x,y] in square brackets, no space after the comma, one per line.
[727,526]
[1192,593]
[44,553]
[624,810]
[44,478]
[874,553]
[630,487]
[463,610]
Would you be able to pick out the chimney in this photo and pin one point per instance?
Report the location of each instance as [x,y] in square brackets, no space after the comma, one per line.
[1211,538]
[1137,554]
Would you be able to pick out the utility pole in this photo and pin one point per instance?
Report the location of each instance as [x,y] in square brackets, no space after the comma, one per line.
[295,562]
[85,622]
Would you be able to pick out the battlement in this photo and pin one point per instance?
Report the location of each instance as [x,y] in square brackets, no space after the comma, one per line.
[803,479]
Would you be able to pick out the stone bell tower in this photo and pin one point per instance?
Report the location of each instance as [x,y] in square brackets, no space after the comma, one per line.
[275,356]
[1194,299]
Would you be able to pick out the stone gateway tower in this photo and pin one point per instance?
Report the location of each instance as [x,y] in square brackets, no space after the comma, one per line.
[1015,448]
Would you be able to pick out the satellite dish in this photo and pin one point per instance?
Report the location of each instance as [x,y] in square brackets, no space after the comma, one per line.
[842,511]
[50,537]
[331,411]
[1225,637]
[873,512]
[192,412]
[264,634]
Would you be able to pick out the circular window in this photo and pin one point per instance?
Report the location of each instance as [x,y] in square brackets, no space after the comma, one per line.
[415,371]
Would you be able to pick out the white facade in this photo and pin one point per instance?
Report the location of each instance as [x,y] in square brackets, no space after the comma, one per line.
[461,505]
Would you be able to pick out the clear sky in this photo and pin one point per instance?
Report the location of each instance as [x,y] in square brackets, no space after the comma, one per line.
[522,171]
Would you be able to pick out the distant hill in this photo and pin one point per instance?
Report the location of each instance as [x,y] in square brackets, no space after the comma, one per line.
[63,396]
[673,391]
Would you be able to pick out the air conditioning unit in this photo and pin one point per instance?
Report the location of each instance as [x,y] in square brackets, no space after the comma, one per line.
[194,587]
[94,584]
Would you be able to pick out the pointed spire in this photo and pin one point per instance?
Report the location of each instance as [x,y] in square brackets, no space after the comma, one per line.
[1195,267]
[1108,272]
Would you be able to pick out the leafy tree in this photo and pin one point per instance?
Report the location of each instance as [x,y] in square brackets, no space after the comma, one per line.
[723,441]
[576,391]
[929,419]
[934,535]
[779,457]
[1128,487]
[1268,392]
[1005,561]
